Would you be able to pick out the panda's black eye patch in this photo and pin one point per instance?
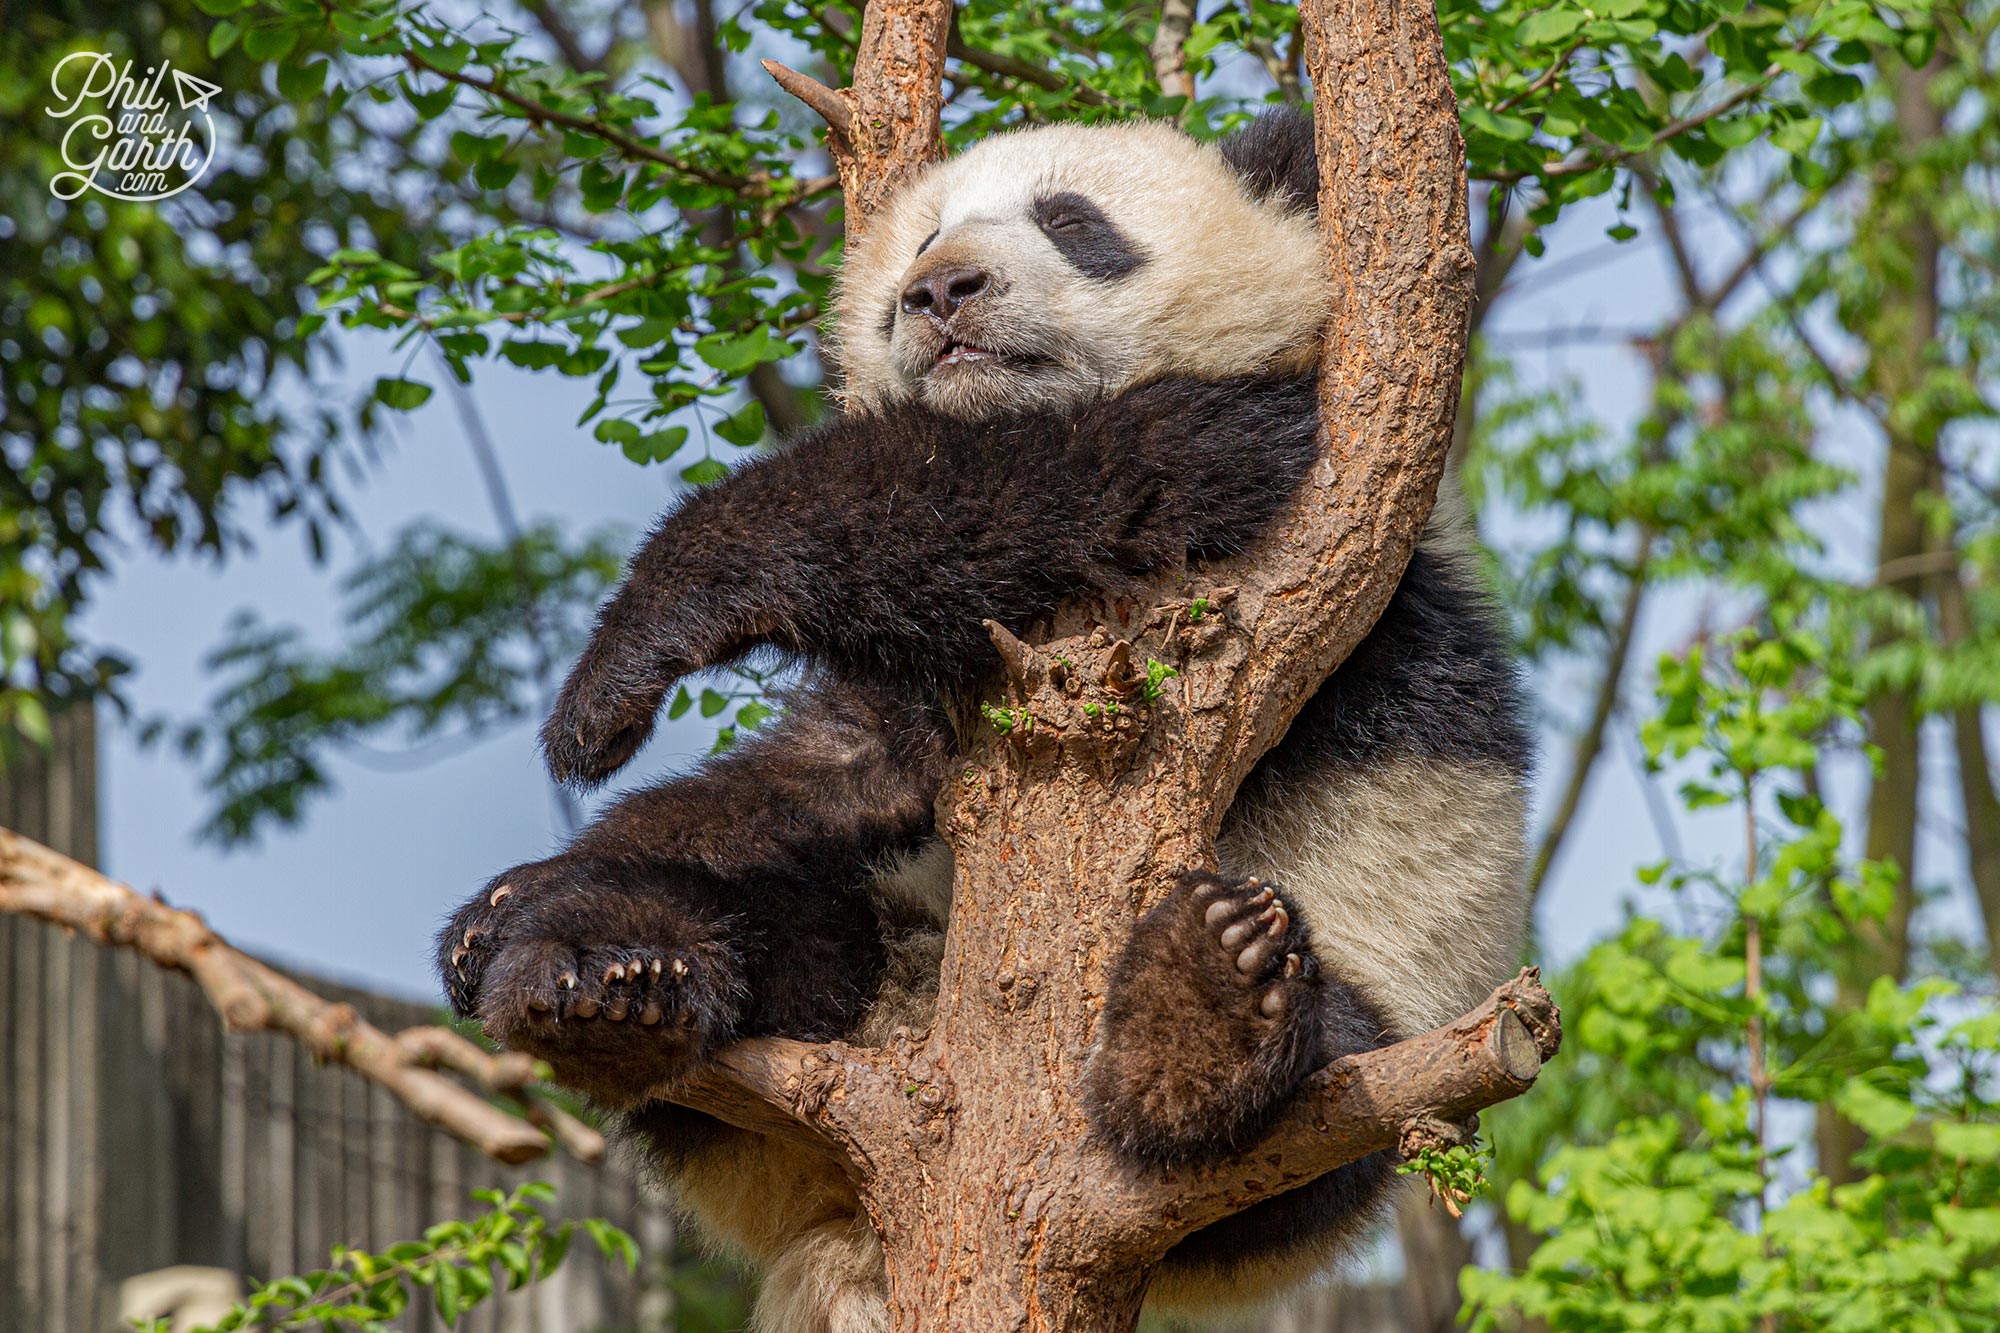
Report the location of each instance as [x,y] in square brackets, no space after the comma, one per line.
[1090,241]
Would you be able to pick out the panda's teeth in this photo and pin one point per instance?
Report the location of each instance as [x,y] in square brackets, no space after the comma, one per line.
[954,353]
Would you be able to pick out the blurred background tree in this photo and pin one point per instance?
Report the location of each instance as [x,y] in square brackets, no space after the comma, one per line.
[1753,566]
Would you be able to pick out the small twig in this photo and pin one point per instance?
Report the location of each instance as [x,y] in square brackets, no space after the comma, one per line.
[829,104]
[254,997]
[1547,77]
[1017,656]
[1013,67]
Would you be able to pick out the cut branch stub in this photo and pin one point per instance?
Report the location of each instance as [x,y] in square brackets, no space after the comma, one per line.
[884,126]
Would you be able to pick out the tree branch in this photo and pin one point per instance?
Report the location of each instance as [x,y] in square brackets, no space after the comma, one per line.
[1013,67]
[885,126]
[1384,1099]
[1611,155]
[254,997]
[1590,740]
[1169,48]
[758,185]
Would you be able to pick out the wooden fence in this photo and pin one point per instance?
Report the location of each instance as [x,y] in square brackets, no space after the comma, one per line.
[136,1135]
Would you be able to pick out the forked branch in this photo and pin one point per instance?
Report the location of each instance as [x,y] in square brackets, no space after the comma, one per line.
[996,1203]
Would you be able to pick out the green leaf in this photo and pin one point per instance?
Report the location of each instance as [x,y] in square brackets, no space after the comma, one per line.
[302,82]
[712,703]
[732,355]
[1875,1111]
[1501,126]
[706,472]
[745,427]
[270,43]
[401,394]
[31,718]
[1546,27]
[682,702]
[495,173]
[1796,136]
[658,446]
[532,355]
[223,36]
[1968,1142]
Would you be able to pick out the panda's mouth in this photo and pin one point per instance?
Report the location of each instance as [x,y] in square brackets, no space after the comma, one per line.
[955,353]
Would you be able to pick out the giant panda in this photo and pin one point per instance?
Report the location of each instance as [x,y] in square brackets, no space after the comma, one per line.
[1071,357]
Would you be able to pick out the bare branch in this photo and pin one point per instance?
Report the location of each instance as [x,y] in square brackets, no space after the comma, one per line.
[891,123]
[1169,48]
[253,997]
[823,100]
[1373,1101]
[1590,740]
[567,44]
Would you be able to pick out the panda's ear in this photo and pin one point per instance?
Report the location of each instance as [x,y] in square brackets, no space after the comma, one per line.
[1273,157]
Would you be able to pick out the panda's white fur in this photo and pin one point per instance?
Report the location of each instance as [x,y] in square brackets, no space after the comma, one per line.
[1232,285]
[1408,872]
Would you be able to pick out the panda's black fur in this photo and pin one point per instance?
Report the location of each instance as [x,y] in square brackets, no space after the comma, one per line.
[747,897]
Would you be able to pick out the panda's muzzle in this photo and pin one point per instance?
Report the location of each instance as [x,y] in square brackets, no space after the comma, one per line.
[939,295]
[944,290]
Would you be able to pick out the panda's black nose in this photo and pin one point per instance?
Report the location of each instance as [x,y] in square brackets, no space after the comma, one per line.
[941,292]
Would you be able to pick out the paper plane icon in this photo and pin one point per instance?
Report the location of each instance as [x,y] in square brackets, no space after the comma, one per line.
[193,92]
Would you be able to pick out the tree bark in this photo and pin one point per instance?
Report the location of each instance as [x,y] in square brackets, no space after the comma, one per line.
[996,1206]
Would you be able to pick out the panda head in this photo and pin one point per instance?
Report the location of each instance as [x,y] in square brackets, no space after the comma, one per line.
[1045,268]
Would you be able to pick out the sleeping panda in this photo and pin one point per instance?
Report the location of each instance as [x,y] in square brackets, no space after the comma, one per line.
[1073,358]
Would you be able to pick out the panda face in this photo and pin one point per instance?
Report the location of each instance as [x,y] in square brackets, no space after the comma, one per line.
[1045,268]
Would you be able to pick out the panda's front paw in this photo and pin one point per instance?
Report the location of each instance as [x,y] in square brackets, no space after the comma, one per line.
[1212,1018]
[619,986]
[600,720]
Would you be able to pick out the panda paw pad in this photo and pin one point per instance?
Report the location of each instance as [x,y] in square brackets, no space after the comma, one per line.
[1256,934]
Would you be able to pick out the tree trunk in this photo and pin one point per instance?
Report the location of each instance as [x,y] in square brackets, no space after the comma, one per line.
[1905,252]
[997,1209]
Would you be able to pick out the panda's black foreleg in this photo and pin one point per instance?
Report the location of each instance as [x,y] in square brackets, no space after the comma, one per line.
[878,545]
[1216,1010]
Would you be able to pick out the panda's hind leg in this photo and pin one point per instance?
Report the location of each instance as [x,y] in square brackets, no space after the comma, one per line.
[1213,1016]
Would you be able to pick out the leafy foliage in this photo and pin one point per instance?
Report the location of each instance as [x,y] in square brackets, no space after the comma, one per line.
[445,637]
[1665,1199]
[459,1264]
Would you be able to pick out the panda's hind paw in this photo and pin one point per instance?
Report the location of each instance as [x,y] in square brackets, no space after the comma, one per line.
[620,982]
[1212,1017]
